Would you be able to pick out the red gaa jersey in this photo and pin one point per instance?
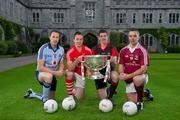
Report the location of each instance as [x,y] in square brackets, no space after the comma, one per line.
[133,58]
[72,54]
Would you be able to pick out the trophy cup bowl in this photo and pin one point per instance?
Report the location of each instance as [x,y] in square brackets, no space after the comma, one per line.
[95,63]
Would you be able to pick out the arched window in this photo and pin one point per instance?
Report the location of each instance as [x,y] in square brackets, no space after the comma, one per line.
[147,40]
[90,40]
[173,39]
[177,40]
[151,41]
[123,38]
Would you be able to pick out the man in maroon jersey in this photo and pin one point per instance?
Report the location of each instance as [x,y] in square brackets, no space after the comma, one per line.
[133,69]
[73,58]
[104,48]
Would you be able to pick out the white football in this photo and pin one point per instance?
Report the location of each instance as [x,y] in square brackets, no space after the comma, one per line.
[129,108]
[68,103]
[50,106]
[105,105]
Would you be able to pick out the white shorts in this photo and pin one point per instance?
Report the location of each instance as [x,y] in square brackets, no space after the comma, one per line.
[130,87]
[79,81]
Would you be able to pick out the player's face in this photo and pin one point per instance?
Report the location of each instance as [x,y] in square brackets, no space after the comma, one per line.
[78,39]
[133,37]
[54,39]
[103,37]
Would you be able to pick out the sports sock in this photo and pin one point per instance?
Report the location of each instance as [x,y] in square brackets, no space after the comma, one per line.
[140,92]
[46,88]
[112,89]
[146,94]
[36,95]
[69,86]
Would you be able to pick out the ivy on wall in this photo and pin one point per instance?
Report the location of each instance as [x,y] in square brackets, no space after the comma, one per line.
[11,29]
[175,31]
[1,34]
[153,32]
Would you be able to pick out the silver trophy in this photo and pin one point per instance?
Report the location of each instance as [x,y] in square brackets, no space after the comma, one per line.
[95,63]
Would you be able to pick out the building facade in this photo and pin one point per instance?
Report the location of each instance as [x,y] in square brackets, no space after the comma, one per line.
[88,16]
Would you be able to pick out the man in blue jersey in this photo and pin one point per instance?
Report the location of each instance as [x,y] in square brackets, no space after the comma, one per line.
[49,65]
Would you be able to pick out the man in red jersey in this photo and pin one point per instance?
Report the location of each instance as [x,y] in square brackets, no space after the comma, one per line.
[104,48]
[74,57]
[133,69]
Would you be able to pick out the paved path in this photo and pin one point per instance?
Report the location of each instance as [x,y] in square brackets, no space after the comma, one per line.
[9,63]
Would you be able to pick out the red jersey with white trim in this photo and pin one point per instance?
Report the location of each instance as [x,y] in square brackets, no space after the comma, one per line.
[133,59]
[72,54]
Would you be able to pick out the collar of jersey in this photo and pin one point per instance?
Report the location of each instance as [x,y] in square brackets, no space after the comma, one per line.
[132,49]
[50,47]
[107,46]
[81,49]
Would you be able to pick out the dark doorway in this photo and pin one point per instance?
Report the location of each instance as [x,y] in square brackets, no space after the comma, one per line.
[90,40]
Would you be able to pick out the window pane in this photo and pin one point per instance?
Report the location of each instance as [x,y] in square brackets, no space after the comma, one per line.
[146,40]
[151,41]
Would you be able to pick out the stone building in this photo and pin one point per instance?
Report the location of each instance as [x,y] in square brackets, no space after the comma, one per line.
[89,16]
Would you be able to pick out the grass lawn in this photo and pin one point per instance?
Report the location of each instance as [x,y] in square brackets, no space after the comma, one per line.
[164,73]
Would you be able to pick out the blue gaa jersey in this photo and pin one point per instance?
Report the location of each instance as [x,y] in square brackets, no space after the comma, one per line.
[51,56]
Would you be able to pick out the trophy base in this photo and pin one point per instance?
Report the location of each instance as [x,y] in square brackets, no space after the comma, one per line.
[96,76]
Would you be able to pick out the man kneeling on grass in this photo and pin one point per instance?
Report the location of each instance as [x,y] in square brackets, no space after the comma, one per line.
[133,69]
[49,65]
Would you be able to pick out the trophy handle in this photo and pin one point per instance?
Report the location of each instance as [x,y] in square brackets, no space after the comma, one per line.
[108,70]
[82,69]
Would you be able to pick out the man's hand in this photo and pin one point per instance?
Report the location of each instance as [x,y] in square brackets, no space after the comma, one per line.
[58,73]
[89,73]
[124,76]
[78,60]
[113,60]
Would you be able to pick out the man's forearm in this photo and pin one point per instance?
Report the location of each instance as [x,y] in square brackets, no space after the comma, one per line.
[44,69]
[140,71]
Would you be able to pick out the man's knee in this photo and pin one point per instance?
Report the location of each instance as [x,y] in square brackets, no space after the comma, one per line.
[114,76]
[46,77]
[69,75]
[138,80]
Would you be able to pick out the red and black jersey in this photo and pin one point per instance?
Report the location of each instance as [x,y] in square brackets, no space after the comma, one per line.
[109,50]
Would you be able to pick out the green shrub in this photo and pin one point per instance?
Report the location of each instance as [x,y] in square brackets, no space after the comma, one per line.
[115,38]
[163,37]
[66,47]
[21,47]
[17,28]
[1,34]
[11,29]
[12,47]
[90,41]
[42,41]
[3,47]
[173,49]
[120,46]
[8,29]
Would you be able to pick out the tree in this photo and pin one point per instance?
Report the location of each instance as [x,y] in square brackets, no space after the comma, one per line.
[163,37]
[114,38]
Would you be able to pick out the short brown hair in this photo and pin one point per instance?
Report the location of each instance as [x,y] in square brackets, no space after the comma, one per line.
[102,31]
[77,33]
[56,31]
